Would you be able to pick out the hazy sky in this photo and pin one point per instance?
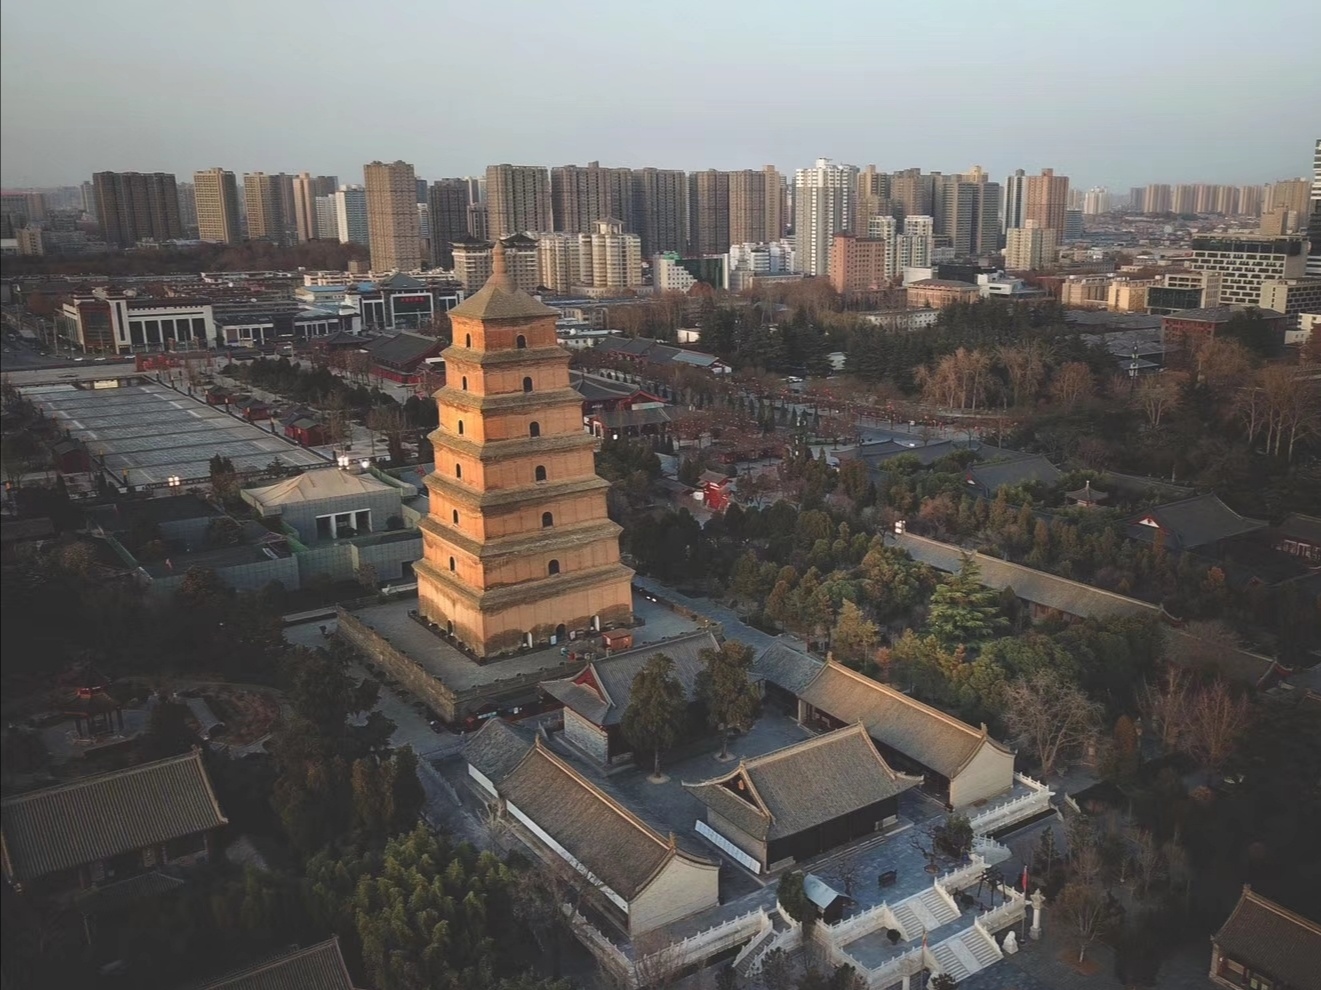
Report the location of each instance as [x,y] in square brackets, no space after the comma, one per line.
[1120,93]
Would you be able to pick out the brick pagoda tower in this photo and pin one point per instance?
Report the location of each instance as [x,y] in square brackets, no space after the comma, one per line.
[517,547]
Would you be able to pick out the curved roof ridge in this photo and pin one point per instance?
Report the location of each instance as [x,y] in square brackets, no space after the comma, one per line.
[900,696]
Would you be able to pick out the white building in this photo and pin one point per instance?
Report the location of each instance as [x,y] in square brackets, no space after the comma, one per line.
[557,261]
[351,215]
[671,273]
[824,202]
[749,261]
[915,247]
[1095,201]
[886,228]
[609,258]
[1246,262]
[1015,201]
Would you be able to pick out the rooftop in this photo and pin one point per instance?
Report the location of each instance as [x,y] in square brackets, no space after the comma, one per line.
[500,298]
[1221,314]
[404,348]
[1272,940]
[1021,470]
[101,816]
[804,785]
[314,486]
[317,967]
[1191,523]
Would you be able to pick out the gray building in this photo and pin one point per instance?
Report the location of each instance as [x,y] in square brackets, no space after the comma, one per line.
[329,504]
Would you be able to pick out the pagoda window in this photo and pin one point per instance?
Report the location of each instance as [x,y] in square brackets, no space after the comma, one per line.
[458,470]
[453,567]
[553,567]
[467,340]
[527,384]
[547,520]
[534,429]
[464,382]
[460,427]
[540,472]
[520,342]
[456,517]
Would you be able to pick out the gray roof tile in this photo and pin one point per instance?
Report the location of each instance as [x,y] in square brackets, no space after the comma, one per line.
[1273,941]
[317,967]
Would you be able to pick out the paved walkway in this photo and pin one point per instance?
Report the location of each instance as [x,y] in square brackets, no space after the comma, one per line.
[732,623]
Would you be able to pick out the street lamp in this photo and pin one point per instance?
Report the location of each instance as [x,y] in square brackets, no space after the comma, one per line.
[174,481]
[342,460]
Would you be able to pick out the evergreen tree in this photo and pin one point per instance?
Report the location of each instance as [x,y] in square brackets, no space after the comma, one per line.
[725,687]
[962,610]
[656,709]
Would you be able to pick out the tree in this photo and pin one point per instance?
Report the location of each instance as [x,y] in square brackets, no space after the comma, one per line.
[963,610]
[224,479]
[656,710]
[854,638]
[1085,910]
[792,896]
[1167,706]
[1218,718]
[725,687]
[223,531]
[942,981]
[1054,718]
[1156,395]
[388,420]
[1072,384]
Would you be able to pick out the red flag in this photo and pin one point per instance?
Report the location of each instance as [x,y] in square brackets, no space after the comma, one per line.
[1025,878]
[168,565]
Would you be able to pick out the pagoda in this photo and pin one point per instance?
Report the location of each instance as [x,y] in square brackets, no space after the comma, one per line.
[518,550]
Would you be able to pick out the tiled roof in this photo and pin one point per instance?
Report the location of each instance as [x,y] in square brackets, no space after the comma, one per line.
[1273,941]
[598,389]
[501,300]
[312,486]
[786,667]
[616,418]
[922,733]
[1016,471]
[497,748]
[1047,590]
[605,837]
[318,967]
[116,896]
[404,348]
[97,817]
[1298,526]
[804,785]
[1192,522]
[605,703]
[941,283]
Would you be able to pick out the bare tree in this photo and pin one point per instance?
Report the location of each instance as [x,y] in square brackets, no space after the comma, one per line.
[1054,718]
[1026,366]
[1072,384]
[1148,863]
[1292,408]
[1219,717]
[1167,706]
[1157,394]
[1084,909]
[656,960]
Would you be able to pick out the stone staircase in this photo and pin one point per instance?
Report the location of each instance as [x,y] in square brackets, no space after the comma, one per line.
[923,912]
[966,953]
[751,956]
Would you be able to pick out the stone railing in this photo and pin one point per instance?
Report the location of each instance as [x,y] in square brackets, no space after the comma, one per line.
[909,964]
[766,934]
[713,940]
[990,850]
[863,923]
[1012,910]
[1023,806]
[1031,782]
[962,876]
[611,956]
[788,940]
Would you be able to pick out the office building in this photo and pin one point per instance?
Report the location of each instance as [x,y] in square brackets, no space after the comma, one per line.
[708,212]
[1046,200]
[610,257]
[216,193]
[1030,247]
[756,206]
[515,553]
[1247,262]
[472,263]
[1095,201]
[137,206]
[1073,226]
[581,196]
[1015,201]
[857,264]
[263,196]
[517,199]
[1314,216]
[1292,297]
[392,221]
[1176,291]
[327,223]
[448,202]
[351,215]
[823,207]
[660,209]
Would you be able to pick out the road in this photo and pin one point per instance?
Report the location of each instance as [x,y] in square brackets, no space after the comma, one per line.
[734,627]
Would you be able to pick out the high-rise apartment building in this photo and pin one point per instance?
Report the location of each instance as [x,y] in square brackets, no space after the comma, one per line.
[518,548]
[915,246]
[392,221]
[886,228]
[263,195]
[517,199]
[448,202]
[580,196]
[351,215]
[756,206]
[327,223]
[660,206]
[472,263]
[1136,194]
[476,189]
[823,207]
[89,198]
[873,198]
[1095,201]
[478,221]
[1185,199]
[137,206]
[968,212]
[306,189]
[708,212]
[1249,201]
[1226,201]
[1030,247]
[187,207]
[609,257]
[911,193]
[1292,194]
[1046,199]
[559,261]
[857,264]
[217,196]
[1158,198]
[1314,217]
[1246,262]
[1015,201]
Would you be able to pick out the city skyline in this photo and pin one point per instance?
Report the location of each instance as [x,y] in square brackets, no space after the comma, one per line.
[1157,106]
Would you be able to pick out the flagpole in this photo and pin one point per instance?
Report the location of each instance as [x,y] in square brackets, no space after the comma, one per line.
[1023,925]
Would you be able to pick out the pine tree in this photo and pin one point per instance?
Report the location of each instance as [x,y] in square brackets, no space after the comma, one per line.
[725,687]
[656,709]
[963,610]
